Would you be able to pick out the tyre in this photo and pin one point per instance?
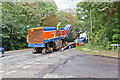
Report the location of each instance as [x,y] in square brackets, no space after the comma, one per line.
[37,50]
[34,51]
[44,51]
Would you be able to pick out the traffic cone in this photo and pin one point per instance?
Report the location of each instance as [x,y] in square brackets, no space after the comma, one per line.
[69,47]
[76,44]
[62,49]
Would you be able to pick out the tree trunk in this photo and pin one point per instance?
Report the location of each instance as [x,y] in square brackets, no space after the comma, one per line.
[91,22]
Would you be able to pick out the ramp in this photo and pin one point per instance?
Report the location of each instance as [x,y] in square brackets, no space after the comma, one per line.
[70,44]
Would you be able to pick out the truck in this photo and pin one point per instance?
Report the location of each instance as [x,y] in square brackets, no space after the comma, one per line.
[46,39]
[84,36]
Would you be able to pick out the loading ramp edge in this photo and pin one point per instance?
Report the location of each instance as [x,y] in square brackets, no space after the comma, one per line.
[73,43]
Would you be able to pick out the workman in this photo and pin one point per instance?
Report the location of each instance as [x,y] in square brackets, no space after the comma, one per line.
[58,27]
[76,42]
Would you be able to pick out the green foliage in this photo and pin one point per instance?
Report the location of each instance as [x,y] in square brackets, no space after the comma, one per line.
[104,22]
[15,18]
[66,17]
[70,38]
[62,18]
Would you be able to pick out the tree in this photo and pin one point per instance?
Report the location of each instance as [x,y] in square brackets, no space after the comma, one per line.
[67,17]
[103,17]
[15,18]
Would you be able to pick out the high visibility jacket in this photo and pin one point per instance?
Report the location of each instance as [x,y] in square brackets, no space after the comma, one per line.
[58,26]
[76,40]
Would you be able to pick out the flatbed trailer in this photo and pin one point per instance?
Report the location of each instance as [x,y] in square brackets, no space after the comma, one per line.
[72,45]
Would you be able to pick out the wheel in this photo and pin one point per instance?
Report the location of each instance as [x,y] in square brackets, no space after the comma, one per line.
[34,51]
[37,50]
[63,44]
[44,51]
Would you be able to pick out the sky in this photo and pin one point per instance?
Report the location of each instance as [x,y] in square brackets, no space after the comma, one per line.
[66,4]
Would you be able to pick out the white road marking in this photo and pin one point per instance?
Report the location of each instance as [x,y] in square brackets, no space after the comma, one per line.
[50,56]
[29,62]
[1,71]
[50,76]
[1,64]
[26,66]
[37,63]
[19,65]
[38,60]
[11,72]
[70,77]
[37,54]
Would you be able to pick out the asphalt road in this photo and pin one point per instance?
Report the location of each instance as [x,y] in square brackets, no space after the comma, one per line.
[70,64]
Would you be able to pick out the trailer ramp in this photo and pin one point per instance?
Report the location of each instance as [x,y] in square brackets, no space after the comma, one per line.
[72,45]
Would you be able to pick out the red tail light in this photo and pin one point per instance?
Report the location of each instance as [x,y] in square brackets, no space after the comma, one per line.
[3,49]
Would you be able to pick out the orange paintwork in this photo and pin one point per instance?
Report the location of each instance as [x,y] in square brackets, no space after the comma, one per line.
[48,34]
[52,34]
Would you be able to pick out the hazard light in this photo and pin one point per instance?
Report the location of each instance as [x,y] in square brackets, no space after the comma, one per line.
[32,29]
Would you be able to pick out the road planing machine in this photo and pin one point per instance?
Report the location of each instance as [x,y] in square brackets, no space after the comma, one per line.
[47,39]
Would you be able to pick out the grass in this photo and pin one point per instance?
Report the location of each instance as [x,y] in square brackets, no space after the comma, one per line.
[100,51]
[82,48]
[116,51]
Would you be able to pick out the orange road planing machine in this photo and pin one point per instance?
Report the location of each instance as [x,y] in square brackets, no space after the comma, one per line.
[47,39]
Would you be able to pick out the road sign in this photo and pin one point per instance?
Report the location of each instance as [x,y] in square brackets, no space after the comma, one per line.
[115,45]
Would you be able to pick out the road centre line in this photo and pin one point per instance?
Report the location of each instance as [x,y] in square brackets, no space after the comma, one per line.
[50,55]
[37,63]
[19,65]
[38,60]
[1,71]
[1,64]
[26,66]
[29,62]
[11,72]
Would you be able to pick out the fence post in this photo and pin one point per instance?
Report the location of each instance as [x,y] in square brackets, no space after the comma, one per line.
[113,47]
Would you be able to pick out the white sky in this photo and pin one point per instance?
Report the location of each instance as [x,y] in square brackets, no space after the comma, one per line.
[66,4]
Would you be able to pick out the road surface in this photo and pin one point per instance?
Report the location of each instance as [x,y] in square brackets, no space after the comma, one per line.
[70,64]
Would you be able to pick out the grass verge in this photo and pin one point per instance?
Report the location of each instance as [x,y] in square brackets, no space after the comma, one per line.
[97,51]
